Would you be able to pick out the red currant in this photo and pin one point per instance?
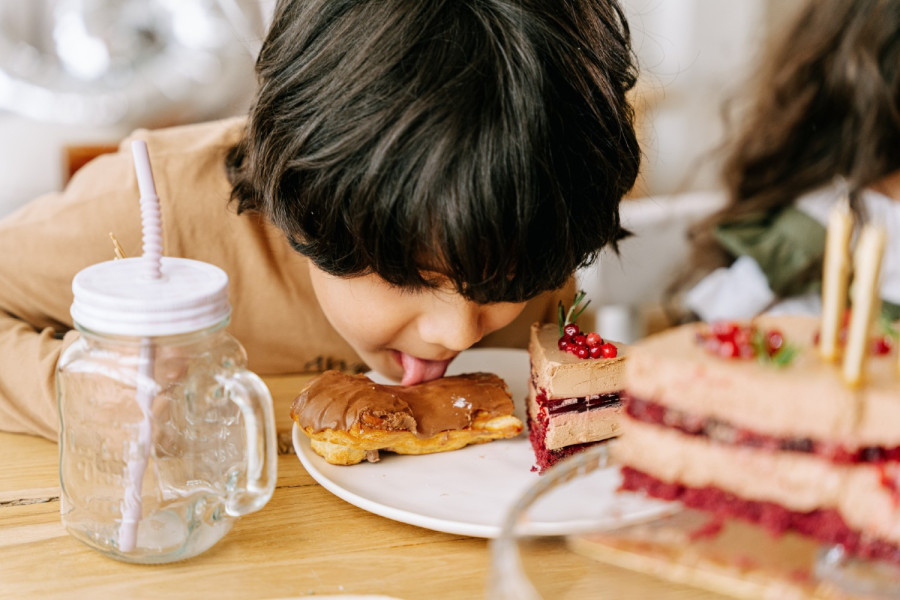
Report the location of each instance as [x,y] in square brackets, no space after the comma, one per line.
[580,340]
[608,350]
[594,339]
[570,330]
[724,330]
[582,352]
[743,336]
[881,346]
[562,344]
[774,341]
[596,351]
[728,349]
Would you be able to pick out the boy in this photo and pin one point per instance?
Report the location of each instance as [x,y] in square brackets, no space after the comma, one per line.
[412,177]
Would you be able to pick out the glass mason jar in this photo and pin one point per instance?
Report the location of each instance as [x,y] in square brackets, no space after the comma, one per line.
[164,439]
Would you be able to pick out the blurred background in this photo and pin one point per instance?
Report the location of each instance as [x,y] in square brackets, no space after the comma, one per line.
[78,75]
[695,55]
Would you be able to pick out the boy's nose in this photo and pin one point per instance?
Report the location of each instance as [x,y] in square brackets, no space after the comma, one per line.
[455,325]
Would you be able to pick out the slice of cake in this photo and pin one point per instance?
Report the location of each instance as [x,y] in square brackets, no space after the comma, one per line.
[573,399]
[747,420]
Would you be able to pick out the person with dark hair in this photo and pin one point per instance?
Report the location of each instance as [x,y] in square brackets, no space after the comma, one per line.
[413,178]
[822,125]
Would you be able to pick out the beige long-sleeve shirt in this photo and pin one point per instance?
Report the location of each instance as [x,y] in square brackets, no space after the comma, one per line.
[275,314]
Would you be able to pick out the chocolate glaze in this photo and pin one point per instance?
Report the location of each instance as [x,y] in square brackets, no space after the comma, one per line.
[336,400]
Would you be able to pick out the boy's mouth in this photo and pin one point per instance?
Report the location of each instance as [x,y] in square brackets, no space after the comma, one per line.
[418,370]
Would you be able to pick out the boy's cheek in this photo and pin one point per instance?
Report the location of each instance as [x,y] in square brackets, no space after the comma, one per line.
[501,315]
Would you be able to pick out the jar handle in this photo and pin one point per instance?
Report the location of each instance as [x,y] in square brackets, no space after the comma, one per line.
[252,396]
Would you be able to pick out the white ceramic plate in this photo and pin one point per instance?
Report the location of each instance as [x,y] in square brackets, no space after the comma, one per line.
[469,491]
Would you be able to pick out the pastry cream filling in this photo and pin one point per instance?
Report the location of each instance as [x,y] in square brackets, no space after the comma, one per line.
[569,429]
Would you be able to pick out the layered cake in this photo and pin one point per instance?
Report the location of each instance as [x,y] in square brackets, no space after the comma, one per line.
[350,418]
[573,399]
[747,420]
[792,423]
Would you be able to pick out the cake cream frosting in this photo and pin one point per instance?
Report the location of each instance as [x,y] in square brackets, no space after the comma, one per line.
[746,438]
[807,398]
[572,402]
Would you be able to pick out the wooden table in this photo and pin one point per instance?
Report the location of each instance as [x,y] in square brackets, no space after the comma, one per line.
[305,542]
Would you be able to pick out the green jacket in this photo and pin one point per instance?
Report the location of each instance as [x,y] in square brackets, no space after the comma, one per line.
[789,247]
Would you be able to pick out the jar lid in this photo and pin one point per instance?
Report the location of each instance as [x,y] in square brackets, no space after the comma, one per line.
[118,297]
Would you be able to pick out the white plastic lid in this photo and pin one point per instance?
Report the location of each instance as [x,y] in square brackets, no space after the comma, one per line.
[118,297]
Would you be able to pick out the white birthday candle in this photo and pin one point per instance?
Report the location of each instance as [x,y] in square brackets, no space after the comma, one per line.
[865,300]
[835,273]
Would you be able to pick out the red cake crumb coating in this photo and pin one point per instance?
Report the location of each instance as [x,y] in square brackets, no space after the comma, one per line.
[825,525]
[544,457]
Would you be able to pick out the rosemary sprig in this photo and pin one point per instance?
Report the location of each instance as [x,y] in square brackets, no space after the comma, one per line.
[890,330]
[565,317]
[782,357]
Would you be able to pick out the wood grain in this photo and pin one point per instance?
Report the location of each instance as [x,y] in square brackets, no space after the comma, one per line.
[305,542]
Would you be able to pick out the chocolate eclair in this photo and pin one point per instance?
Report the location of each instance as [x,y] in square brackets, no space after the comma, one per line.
[350,418]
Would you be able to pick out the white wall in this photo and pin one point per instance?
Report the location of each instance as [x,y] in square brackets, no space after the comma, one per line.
[694,55]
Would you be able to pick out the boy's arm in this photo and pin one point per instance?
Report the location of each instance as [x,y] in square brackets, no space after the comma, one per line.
[27,362]
[42,246]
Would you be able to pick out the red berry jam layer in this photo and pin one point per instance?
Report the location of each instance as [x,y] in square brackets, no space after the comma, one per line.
[725,433]
[544,457]
[559,406]
[825,525]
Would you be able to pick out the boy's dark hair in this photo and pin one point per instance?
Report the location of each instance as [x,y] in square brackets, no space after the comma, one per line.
[488,141]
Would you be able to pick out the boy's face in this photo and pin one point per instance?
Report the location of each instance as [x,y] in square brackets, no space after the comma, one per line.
[410,336]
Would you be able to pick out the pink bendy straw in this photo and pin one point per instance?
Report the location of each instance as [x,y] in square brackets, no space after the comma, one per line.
[139,450]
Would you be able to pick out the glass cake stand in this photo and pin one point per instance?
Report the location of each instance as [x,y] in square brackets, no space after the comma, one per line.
[666,549]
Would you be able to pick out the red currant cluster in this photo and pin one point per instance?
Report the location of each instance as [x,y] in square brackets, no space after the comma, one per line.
[582,345]
[733,340]
[879,346]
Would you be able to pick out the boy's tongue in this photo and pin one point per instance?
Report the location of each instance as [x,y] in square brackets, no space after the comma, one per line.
[417,370]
